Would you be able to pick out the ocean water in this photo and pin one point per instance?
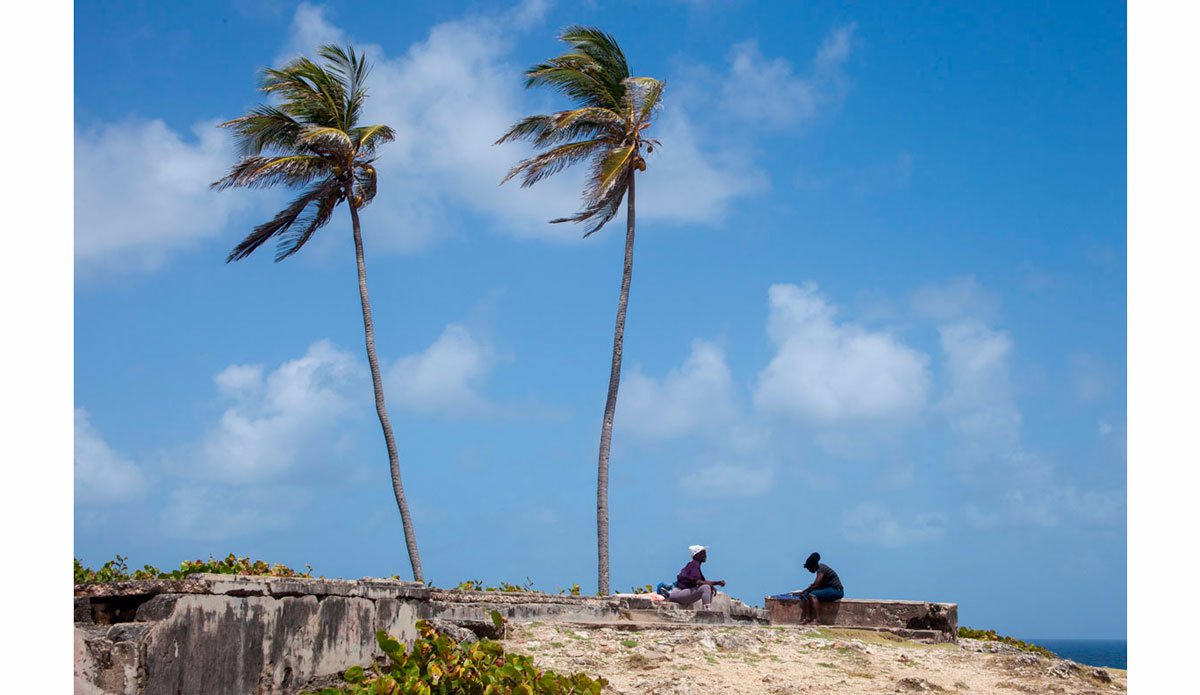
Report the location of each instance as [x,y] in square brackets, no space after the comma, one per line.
[1093,652]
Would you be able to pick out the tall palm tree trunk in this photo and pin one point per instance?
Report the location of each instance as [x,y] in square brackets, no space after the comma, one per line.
[369,328]
[610,407]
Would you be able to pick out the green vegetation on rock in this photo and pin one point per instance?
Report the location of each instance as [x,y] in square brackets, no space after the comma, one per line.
[438,664]
[476,585]
[117,571]
[507,587]
[991,636]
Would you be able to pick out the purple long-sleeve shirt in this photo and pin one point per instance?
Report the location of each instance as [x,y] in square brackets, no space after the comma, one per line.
[690,576]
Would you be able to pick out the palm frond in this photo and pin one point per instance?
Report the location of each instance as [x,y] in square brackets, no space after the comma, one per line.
[264,172]
[326,139]
[605,190]
[368,138]
[564,126]
[607,171]
[647,96]
[601,50]
[352,70]
[317,214]
[589,122]
[601,211]
[310,93]
[612,110]
[285,218]
[310,140]
[601,47]
[530,127]
[549,163]
[265,128]
[572,77]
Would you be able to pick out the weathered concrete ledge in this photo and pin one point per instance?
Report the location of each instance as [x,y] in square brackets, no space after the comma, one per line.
[936,622]
[213,633]
[228,634]
[236,585]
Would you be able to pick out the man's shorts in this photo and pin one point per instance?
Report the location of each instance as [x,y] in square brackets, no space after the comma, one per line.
[827,594]
[824,595]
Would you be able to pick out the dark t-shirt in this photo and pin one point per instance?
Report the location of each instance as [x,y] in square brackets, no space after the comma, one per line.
[690,576]
[829,578]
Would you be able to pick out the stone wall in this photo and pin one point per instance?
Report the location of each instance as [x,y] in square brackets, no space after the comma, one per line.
[278,636]
[936,622]
[215,634]
[235,635]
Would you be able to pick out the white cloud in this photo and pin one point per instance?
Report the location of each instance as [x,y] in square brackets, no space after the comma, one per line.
[446,377]
[142,193]
[291,419]
[979,402]
[1091,377]
[962,298]
[768,92]
[450,96]
[309,30]
[693,178]
[871,522]
[725,480]
[704,165]
[1048,505]
[825,372]
[214,512]
[765,91]
[240,380]
[529,13]
[1095,506]
[102,476]
[856,443]
[1019,486]
[690,399]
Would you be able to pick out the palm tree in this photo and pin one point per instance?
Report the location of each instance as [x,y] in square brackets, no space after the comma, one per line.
[606,128]
[311,140]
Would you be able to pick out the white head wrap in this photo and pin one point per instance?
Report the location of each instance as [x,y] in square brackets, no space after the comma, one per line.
[694,550]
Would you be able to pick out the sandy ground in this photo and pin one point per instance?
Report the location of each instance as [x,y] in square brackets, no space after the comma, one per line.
[779,660]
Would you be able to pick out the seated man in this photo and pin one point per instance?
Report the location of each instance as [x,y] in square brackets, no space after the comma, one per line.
[827,586]
[691,585]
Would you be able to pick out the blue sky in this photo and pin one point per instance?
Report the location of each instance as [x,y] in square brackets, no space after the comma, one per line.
[878,306]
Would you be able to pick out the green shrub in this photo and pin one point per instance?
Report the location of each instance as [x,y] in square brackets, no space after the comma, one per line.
[117,571]
[476,585]
[991,636]
[438,664]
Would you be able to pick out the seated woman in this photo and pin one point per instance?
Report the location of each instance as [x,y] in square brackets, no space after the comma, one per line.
[827,586]
[691,585]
